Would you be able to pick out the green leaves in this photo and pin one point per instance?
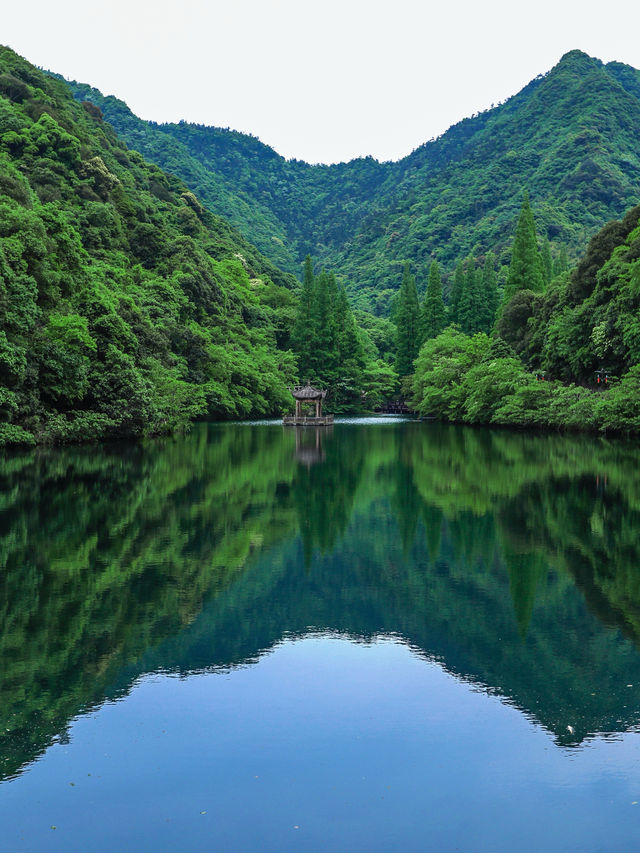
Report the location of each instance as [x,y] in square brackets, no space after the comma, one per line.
[570,136]
[328,343]
[526,271]
[126,308]
[408,324]
[433,312]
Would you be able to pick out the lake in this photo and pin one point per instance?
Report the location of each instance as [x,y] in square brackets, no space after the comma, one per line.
[382,636]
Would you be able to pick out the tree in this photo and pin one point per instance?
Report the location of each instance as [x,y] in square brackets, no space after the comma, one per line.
[489,292]
[303,333]
[329,345]
[456,292]
[470,308]
[349,382]
[547,263]
[433,310]
[561,264]
[407,320]
[323,332]
[526,271]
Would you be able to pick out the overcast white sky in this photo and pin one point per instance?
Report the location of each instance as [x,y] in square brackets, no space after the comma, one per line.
[320,81]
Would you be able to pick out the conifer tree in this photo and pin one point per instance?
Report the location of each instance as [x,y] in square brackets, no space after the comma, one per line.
[470,310]
[547,263]
[323,328]
[407,320]
[327,340]
[526,271]
[303,331]
[347,382]
[489,292]
[456,293]
[561,263]
[433,310]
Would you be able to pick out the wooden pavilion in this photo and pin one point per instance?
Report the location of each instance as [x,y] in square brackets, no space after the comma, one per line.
[306,395]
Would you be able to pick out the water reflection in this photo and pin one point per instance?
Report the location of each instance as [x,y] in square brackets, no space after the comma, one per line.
[309,449]
[512,559]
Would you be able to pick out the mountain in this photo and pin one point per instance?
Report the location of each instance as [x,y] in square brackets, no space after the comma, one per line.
[126,307]
[570,136]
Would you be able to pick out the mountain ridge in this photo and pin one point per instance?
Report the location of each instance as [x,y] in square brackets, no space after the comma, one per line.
[570,135]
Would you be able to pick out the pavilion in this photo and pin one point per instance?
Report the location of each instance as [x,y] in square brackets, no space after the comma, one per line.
[305,395]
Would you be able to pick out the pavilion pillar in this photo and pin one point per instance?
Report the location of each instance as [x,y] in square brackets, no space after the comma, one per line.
[318,408]
[298,409]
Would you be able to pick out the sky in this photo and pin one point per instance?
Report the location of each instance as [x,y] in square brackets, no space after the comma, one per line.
[318,81]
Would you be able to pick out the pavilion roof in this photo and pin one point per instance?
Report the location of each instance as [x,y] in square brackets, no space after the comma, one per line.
[308,392]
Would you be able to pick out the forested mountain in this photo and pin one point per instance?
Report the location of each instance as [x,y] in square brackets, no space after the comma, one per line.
[570,136]
[126,307]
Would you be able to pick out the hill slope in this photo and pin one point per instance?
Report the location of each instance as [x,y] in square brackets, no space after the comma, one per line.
[126,308]
[571,136]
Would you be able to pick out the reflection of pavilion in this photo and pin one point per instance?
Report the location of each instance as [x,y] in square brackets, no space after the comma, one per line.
[309,453]
[306,395]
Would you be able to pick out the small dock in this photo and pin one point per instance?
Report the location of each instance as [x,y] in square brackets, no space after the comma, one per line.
[307,420]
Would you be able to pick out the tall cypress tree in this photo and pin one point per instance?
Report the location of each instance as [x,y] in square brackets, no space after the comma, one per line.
[470,309]
[324,339]
[561,263]
[526,271]
[456,293]
[547,263]
[351,360]
[489,292]
[303,331]
[433,310]
[327,341]
[407,320]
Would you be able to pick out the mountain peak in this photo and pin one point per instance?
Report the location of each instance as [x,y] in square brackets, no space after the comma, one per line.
[577,60]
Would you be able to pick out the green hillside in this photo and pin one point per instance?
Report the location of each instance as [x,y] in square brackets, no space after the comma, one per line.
[567,356]
[570,136]
[126,307]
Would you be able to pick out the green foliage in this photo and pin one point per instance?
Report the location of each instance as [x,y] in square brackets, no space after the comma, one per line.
[455,295]
[585,320]
[490,299]
[570,136]
[568,330]
[407,321]
[330,347]
[442,364]
[547,263]
[473,380]
[472,307]
[433,312]
[526,271]
[126,308]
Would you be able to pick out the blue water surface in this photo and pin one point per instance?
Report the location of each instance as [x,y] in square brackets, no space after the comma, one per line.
[385,638]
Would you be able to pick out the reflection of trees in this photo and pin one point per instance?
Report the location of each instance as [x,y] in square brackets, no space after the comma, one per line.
[106,553]
[184,554]
[323,494]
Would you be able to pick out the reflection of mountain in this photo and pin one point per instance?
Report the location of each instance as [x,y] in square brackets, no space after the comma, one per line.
[205,551]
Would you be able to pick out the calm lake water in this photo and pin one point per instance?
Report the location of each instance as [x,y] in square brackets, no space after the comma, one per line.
[385,636]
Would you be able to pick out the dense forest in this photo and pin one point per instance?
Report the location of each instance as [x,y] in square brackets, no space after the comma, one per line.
[564,352]
[129,307]
[570,136]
